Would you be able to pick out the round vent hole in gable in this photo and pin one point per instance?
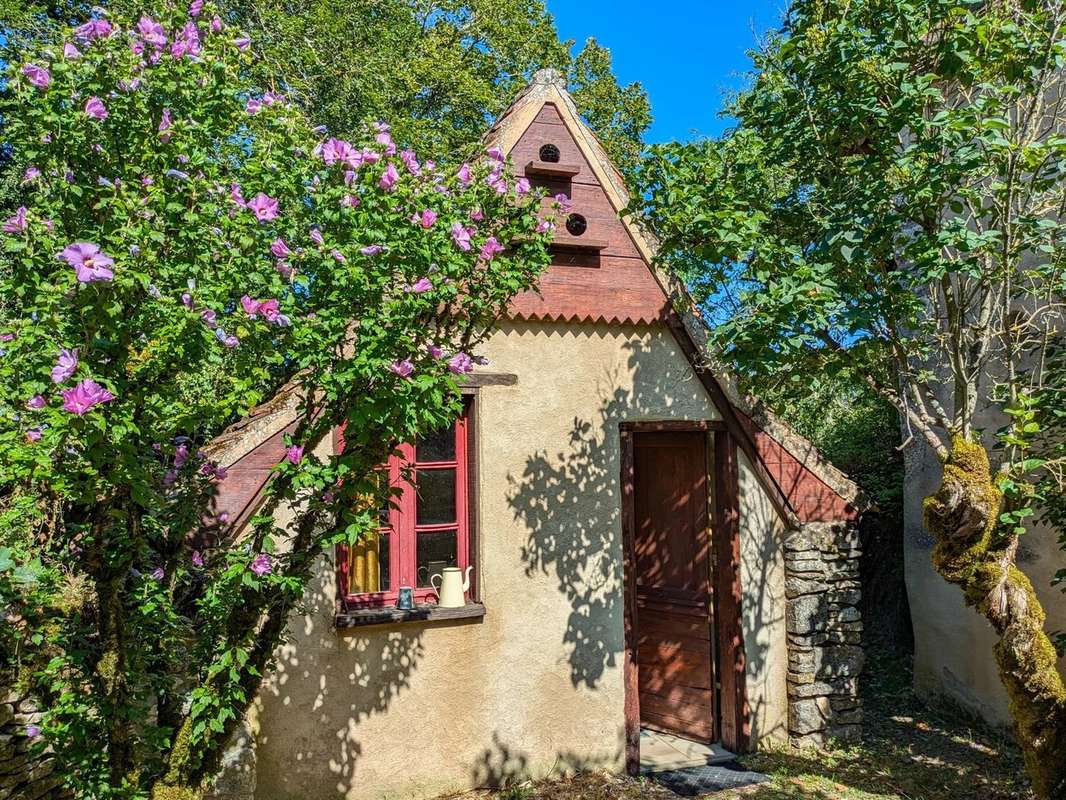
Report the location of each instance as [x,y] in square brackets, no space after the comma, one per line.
[549,153]
[576,224]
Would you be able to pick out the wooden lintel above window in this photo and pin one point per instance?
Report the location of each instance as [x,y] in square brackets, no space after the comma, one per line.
[564,242]
[489,379]
[549,169]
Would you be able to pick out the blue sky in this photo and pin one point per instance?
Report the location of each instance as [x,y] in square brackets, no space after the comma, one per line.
[687,53]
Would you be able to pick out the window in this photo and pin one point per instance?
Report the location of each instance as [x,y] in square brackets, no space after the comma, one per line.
[424,530]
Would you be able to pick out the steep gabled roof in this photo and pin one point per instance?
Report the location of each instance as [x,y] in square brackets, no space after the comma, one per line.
[804,486]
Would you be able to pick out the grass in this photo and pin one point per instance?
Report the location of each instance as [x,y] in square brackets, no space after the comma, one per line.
[909,752]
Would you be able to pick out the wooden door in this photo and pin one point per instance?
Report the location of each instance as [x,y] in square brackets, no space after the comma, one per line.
[672,586]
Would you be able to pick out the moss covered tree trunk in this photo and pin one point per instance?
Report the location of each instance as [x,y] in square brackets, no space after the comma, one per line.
[974,552]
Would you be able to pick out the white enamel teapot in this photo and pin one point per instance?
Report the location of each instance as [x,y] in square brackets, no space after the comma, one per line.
[451,585]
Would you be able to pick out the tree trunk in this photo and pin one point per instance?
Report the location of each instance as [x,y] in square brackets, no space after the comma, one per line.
[973,552]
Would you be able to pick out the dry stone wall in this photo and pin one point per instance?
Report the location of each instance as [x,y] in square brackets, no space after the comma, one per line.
[23,776]
[824,626]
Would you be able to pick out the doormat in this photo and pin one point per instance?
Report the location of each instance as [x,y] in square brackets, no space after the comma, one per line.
[696,781]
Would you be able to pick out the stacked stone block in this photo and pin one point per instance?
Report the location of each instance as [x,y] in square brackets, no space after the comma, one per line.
[23,776]
[824,626]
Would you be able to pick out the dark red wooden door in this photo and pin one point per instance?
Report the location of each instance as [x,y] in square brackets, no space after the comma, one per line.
[673,583]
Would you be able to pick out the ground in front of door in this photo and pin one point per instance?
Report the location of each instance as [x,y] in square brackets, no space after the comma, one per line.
[908,751]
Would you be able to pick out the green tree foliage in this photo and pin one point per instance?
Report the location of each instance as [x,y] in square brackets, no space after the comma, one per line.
[179,229]
[888,209]
[443,69]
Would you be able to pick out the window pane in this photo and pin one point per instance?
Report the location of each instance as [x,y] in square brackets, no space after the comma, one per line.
[437,446]
[369,564]
[436,551]
[436,496]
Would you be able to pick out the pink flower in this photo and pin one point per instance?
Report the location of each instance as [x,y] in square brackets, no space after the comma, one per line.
[152,32]
[420,286]
[410,161]
[545,226]
[195,7]
[253,106]
[389,178]
[95,108]
[33,435]
[435,351]
[70,51]
[461,236]
[243,43]
[32,731]
[316,237]
[236,196]
[16,223]
[464,175]
[216,24]
[294,453]
[338,255]
[368,156]
[65,365]
[284,270]
[197,559]
[269,309]
[93,29]
[385,140]
[461,364]
[165,126]
[402,368]
[36,402]
[491,248]
[264,207]
[89,262]
[477,215]
[38,76]
[495,153]
[31,174]
[372,249]
[262,565]
[84,396]
[186,300]
[428,218]
[522,186]
[280,249]
[181,455]
[563,201]
[158,574]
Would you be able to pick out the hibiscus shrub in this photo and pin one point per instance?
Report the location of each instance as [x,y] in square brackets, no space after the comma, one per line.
[188,245]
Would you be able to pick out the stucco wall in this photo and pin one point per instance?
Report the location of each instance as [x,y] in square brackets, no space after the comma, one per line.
[420,709]
[953,644]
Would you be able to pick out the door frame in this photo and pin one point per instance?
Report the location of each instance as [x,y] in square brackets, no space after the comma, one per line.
[732,706]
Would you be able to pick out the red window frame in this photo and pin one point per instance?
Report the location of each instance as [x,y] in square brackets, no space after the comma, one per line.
[403,523]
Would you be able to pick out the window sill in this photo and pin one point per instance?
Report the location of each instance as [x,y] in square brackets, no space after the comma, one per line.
[389,615]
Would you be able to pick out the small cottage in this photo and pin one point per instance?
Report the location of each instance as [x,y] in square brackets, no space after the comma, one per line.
[650,559]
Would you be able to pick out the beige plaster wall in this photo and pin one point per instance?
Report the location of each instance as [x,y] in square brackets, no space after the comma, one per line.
[420,709]
[762,565]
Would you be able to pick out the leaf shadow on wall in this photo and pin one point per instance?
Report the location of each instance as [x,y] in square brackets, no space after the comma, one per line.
[570,503]
[323,685]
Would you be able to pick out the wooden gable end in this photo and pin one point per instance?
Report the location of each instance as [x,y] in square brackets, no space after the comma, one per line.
[597,276]
[241,493]
[811,498]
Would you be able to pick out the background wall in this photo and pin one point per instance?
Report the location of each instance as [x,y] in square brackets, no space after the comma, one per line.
[952,643]
[416,710]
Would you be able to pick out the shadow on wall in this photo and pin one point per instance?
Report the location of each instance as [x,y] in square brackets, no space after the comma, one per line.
[571,505]
[323,684]
[502,765]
